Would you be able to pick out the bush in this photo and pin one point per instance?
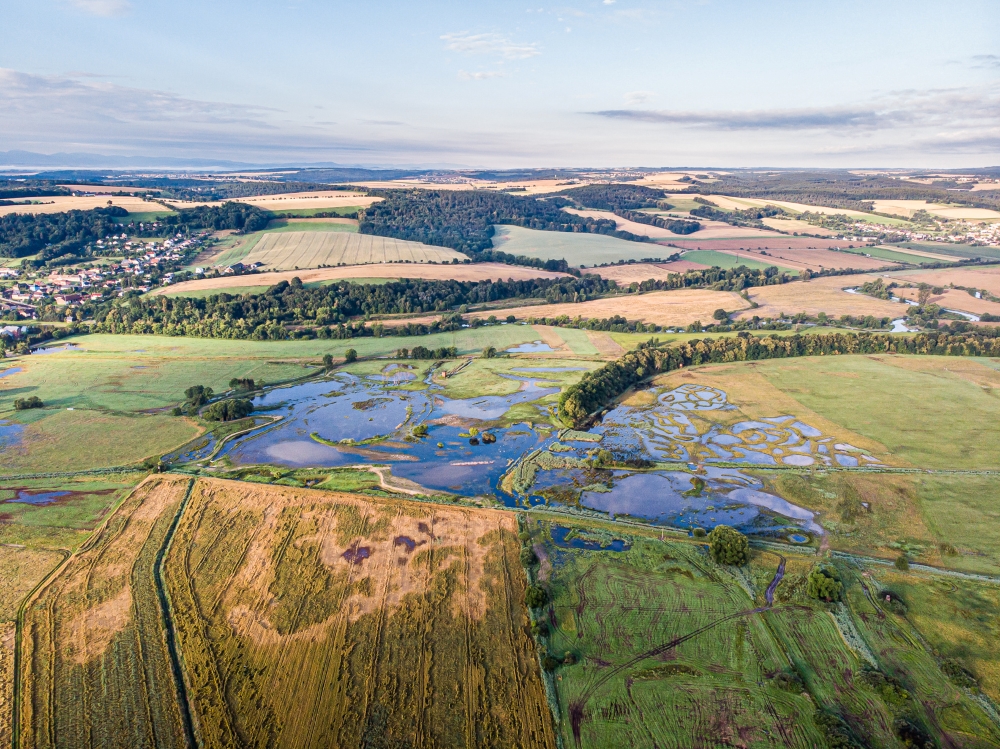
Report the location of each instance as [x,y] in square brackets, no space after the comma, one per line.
[23,404]
[242,383]
[838,733]
[549,663]
[699,532]
[528,557]
[824,584]
[788,680]
[350,355]
[720,314]
[228,410]
[198,395]
[902,563]
[569,658]
[728,546]
[489,352]
[420,430]
[912,734]
[535,597]
[540,629]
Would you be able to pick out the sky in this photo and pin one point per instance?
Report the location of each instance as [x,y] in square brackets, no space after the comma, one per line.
[484,83]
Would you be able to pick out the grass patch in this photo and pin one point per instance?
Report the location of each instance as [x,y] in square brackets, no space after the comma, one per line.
[713,258]
[895,257]
[575,248]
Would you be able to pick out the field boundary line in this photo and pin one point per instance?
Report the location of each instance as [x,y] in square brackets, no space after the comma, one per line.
[169,635]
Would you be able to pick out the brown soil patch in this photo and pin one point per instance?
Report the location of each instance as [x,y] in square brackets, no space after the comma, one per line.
[679,307]
[462,272]
[820,295]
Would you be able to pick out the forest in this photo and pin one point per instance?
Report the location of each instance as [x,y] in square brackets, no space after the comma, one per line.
[463,220]
[616,197]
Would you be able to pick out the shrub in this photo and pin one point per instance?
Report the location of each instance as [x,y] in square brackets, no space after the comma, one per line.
[540,629]
[912,734]
[535,597]
[350,355]
[569,658]
[902,563]
[549,663]
[824,584]
[788,680]
[528,557]
[699,532]
[420,430]
[720,314]
[838,733]
[23,404]
[228,410]
[241,383]
[728,545]
[489,352]
[198,395]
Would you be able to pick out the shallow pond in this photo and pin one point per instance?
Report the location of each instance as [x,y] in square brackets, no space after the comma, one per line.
[559,534]
[9,371]
[535,347]
[10,434]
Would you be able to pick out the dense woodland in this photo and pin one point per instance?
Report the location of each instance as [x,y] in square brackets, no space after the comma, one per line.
[599,388]
[463,219]
[614,197]
[746,217]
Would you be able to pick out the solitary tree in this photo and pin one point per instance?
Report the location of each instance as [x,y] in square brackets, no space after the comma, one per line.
[728,545]
[923,294]
[824,584]
[535,597]
[720,314]
[327,361]
[489,352]
[350,355]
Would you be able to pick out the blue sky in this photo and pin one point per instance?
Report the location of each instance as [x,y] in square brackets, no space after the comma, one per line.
[507,84]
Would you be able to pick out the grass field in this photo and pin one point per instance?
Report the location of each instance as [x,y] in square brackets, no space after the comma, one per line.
[953,250]
[281,225]
[575,248]
[394,621]
[671,649]
[144,216]
[892,256]
[713,258]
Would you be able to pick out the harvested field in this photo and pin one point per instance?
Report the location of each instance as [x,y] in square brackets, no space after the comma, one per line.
[790,225]
[60,203]
[815,259]
[679,307]
[639,272]
[987,278]
[605,344]
[294,201]
[395,621]
[820,295]
[573,247]
[953,299]
[96,670]
[462,272]
[309,249]
[906,209]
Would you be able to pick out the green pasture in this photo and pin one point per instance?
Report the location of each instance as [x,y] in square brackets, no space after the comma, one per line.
[713,258]
[931,418]
[576,248]
[577,341]
[279,225]
[956,250]
[895,257]
[311,212]
[616,614]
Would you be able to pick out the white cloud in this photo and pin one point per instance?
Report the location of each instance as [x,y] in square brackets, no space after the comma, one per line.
[609,2]
[635,98]
[103,7]
[480,75]
[493,44]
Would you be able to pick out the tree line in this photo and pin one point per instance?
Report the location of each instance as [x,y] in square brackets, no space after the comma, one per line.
[599,388]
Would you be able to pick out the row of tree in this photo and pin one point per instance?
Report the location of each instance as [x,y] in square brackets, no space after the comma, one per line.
[599,388]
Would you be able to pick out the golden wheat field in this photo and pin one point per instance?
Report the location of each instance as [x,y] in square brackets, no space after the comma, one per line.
[219,613]
[61,203]
[311,249]
[820,295]
[380,619]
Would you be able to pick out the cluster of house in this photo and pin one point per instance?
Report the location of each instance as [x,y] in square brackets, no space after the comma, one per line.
[145,261]
[965,232]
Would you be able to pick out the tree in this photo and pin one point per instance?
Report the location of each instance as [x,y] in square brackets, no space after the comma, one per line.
[824,584]
[241,383]
[24,404]
[198,395]
[728,546]
[327,361]
[228,410]
[902,563]
[528,556]
[489,352]
[923,294]
[720,315]
[350,355]
[535,597]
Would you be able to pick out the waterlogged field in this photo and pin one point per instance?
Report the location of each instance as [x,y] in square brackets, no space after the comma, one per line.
[387,621]
[667,648]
